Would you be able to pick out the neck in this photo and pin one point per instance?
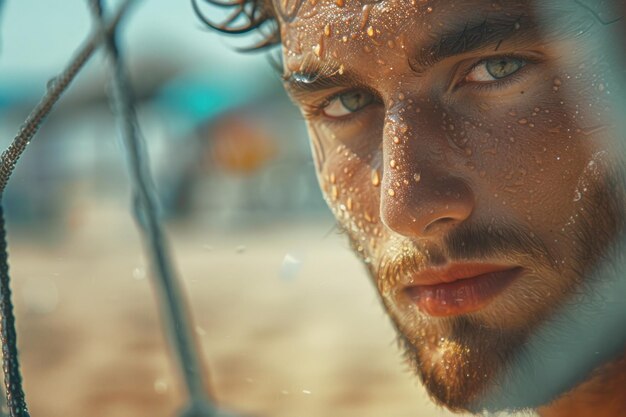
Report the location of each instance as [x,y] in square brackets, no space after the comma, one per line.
[601,396]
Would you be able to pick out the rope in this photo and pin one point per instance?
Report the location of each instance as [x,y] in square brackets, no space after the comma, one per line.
[171,298]
[16,401]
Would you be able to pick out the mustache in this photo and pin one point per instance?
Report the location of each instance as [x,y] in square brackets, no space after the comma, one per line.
[484,241]
[465,243]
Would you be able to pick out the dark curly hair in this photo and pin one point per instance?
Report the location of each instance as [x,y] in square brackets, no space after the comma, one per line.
[245,16]
[250,15]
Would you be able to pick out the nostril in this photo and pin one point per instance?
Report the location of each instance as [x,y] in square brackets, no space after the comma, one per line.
[438,224]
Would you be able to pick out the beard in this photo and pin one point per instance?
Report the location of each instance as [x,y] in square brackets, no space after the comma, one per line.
[458,359]
[500,358]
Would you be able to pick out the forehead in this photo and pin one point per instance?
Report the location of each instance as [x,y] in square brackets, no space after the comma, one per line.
[329,29]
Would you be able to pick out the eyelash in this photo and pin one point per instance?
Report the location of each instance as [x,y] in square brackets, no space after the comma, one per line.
[502,83]
[317,109]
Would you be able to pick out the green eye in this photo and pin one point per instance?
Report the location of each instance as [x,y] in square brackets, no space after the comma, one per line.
[347,103]
[503,67]
[495,69]
[355,100]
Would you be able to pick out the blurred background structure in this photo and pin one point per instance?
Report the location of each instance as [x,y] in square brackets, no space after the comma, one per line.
[288,322]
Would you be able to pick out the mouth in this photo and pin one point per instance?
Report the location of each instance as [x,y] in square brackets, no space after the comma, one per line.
[459,288]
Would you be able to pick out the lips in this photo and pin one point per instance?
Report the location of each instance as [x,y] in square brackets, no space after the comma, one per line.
[459,288]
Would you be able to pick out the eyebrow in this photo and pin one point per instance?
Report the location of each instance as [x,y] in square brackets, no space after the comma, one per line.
[455,40]
[473,36]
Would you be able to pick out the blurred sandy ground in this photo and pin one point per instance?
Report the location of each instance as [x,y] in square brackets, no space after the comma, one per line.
[287,319]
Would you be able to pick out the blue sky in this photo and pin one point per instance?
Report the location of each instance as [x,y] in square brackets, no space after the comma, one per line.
[38,37]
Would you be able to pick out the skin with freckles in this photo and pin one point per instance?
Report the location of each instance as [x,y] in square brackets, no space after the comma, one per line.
[465,134]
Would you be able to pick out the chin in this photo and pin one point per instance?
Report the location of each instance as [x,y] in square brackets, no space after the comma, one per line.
[456,359]
[460,359]
[520,352]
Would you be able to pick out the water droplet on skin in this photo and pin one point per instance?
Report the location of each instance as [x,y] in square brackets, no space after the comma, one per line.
[392,163]
[349,204]
[334,192]
[391,44]
[341,69]
[391,192]
[522,121]
[370,31]
[327,29]
[375,178]
[366,15]
[417,177]
[339,3]
[429,9]
[333,180]
[344,39]
[396,139]
[317,49]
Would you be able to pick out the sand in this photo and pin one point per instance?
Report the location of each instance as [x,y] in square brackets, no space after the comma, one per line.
[285,316]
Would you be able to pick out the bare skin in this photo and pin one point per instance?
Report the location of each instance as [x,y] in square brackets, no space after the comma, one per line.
[467,150]
[602,396]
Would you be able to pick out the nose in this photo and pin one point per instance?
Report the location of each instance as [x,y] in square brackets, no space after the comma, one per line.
[429,206]
[425,194]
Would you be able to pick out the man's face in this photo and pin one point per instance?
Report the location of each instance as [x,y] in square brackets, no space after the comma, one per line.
[464,148]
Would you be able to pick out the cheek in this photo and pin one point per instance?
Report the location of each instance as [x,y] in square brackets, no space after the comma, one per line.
[526,153]
[350,183]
